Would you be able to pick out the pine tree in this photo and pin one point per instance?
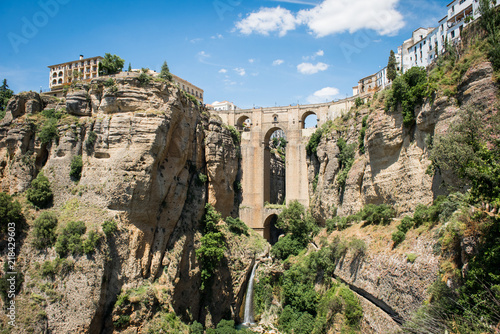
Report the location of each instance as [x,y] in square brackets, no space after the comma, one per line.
[129,67]
[165,72]
[5,95]
[391,67]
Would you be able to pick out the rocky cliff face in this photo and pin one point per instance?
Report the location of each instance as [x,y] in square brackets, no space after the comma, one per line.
[143,147]
[392,171]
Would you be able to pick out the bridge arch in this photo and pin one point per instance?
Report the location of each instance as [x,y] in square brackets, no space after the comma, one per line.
[274,169]
[271,232]
[308,115]
[243,122]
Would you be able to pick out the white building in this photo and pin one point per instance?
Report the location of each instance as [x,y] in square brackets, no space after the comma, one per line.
[382,80]
[224,105]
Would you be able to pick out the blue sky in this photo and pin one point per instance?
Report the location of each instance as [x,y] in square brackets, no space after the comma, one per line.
[250,52]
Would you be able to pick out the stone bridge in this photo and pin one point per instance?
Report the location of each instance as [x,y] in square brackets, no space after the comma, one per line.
[257,126]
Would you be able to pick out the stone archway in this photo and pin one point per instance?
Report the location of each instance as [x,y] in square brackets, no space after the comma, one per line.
[274,170]
[309,114]
[271,232]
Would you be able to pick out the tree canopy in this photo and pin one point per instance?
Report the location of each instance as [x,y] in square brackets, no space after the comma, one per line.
[391,67]
[5,95]
[165,72]
[111,64]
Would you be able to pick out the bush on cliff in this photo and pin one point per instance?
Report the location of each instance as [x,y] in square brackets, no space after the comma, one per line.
[39,193]
[70,239]
[10,212]
[299,227]
[237,226]
[213,246]
[76,168]
[44,230]
[377,214]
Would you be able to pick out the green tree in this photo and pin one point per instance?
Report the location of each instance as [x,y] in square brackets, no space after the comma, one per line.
[165,72]
[5,95]
[76,168]
[44,230]
[391,67]
[111,64]
[10,211]
[408,91]
[40,194]
[471,151]
[129,67]
[70,239]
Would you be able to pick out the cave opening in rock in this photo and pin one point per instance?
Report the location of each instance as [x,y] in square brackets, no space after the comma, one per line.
[271,232]
[275,167]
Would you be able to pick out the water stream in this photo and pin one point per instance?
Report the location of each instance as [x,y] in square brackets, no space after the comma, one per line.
[248,318]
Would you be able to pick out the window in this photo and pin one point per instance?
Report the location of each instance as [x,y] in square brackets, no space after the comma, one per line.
[453,34]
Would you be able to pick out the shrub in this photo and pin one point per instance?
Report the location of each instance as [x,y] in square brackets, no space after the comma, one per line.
[362,133]
[202,178]
[406,224]
[109,82]
[398,237]
[235,135]
[196,328]
[90,142]
[90,243]
[70,239]
[377,214]
[76,168]
[144,79]
[49,131]
[408,91]
[39,193]
[10,212]
[213,246]
[109,227]
[56,267]
[346,160]
[353,311]
[359,102]
[312,144]
[237,226]
[123,320]
[285,247]
[410,257]
[358,247]
[44,230]
[51,113]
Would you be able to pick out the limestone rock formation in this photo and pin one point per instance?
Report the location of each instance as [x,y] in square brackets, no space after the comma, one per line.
[143,146]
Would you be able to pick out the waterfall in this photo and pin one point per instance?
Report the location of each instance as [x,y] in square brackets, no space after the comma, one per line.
[248,318]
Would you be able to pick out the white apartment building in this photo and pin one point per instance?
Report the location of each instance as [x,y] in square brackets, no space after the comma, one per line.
[81,69]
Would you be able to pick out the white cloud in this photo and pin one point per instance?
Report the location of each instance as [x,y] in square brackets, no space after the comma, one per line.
[323,95]
[337,16]
[222,70]
[196,40]
[320,53]
[327,18]
[308,68]
[268,20]
[203,54]
[278,62]
[218,36]
[240,71]
[251,61]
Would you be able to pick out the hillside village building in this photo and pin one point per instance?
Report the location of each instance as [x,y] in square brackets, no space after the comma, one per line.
[426,44]
[81,69]
[224,105]
[88,69]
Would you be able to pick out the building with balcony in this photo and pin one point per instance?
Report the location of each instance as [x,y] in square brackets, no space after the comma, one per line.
[188,87]
[81,69]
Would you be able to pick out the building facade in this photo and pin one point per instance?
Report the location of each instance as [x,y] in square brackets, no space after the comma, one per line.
[189,88]
[224,105]
[81,69]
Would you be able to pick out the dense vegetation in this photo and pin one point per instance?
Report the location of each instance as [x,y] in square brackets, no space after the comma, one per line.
[299,226]
[110,64]
[39,193]
[213,246]
[10,212]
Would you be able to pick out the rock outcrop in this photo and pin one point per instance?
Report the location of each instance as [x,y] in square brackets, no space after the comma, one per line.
[143,147]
